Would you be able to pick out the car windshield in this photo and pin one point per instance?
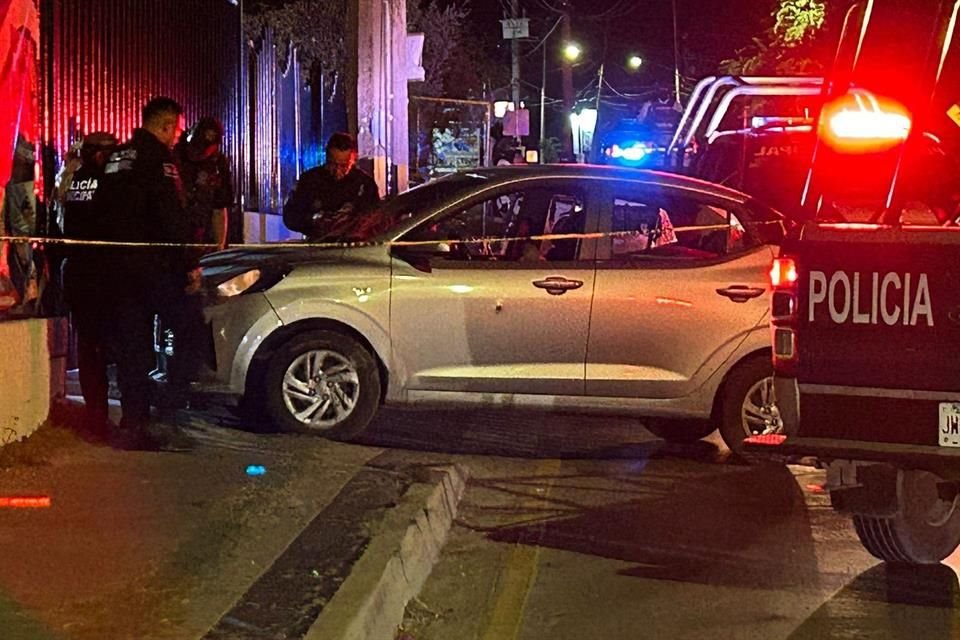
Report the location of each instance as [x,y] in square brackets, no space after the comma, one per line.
[396,211]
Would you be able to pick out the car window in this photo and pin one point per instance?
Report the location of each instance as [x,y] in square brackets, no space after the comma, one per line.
[397,210]
[660,224]
[503,228]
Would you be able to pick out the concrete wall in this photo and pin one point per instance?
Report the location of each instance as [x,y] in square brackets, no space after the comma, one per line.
[265,227]
[377,87]
[32,374]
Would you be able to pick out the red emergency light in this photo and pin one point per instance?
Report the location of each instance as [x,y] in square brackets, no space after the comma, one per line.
[862,122]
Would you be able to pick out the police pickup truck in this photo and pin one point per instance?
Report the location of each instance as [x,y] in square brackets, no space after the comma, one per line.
[866,294]
[866,332]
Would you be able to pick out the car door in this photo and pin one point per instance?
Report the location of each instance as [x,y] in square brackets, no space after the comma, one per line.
[505,315]
[680,283]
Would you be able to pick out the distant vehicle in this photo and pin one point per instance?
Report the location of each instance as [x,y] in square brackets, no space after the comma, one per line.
[664,317]
[641,141]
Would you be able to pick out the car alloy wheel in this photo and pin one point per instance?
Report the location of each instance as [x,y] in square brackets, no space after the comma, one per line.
[747,404]
[759,413]
[321,388]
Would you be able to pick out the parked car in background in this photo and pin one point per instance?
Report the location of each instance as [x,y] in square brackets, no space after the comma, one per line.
[648,298]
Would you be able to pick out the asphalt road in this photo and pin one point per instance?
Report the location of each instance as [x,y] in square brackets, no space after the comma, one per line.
[594,529]
[570,528]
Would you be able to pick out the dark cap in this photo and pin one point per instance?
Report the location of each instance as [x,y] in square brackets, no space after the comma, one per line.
[99,139]
[208,124]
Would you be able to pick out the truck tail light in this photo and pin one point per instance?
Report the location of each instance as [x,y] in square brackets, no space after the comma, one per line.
[784,316]
[783,273]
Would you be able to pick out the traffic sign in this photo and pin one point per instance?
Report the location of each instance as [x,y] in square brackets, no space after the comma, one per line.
[515,28]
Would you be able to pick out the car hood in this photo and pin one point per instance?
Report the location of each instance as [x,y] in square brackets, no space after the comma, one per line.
[243,258]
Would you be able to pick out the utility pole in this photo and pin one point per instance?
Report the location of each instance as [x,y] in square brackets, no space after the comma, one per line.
[599,88]
[567,68]
[676,57]
[543,99]
[515,53]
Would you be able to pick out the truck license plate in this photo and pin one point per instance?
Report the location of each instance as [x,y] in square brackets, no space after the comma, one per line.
[950,424]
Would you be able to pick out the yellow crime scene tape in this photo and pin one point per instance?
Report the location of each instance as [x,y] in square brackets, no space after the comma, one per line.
[38,240]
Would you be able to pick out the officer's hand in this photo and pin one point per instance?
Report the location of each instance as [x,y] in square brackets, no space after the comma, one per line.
[194,281]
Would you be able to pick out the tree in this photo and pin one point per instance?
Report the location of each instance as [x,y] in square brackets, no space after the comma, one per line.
[444,30]
[789,46]
[314,29]
[797,20]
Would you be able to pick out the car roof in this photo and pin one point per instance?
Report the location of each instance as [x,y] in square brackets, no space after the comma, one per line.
[512,172]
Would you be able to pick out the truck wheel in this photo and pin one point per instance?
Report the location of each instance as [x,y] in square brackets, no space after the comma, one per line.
[925,530]
[324,383]
[682,431]
[747,404]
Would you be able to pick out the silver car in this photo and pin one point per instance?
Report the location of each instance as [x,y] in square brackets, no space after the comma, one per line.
[564,288]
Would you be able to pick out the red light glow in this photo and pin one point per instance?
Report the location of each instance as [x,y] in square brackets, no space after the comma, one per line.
[25,502]
[863,122]
[770,439]
[868,125]
[783,272]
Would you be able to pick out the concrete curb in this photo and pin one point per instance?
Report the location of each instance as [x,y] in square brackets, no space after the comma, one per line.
[370,603]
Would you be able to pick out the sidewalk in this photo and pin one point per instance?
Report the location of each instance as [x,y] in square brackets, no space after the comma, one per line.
[157,545]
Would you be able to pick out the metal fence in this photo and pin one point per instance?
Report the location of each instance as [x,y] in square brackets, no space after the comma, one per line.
[102,60]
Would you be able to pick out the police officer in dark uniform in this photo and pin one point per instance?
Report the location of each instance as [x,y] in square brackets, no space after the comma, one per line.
[83,272]
[207,180]
[142,201]
[325,196]
[208,189]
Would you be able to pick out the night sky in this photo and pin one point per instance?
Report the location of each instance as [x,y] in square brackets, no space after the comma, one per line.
[710,31]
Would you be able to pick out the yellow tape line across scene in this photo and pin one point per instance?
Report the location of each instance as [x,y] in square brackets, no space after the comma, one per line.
[36,240]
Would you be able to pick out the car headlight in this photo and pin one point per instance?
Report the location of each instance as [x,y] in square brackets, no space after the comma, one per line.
[238,284]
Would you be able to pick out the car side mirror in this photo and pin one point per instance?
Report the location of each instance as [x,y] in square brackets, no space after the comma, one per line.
[418,256]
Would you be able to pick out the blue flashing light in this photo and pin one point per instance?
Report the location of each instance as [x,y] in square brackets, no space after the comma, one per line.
[633,152]
[630,152]
[256,470]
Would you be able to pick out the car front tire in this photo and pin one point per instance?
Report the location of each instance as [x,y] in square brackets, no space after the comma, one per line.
[323,383]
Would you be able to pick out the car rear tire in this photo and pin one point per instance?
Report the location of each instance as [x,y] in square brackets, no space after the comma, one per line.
[323,383]
[925,530]
[747,404]
[680,431]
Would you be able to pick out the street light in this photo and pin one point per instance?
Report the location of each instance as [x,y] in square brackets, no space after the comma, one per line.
[572,51]
[635,62]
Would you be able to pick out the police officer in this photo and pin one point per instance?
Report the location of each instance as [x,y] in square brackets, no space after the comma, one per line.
[83,274]
[207,181]
[326,195]
[142,201]
[208,189]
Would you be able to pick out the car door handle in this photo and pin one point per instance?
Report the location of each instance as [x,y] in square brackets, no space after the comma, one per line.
[557,285]
[741,292]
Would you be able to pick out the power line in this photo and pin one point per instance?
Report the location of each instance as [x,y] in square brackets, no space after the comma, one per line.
[549,7]
[544,39]
[620,9]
